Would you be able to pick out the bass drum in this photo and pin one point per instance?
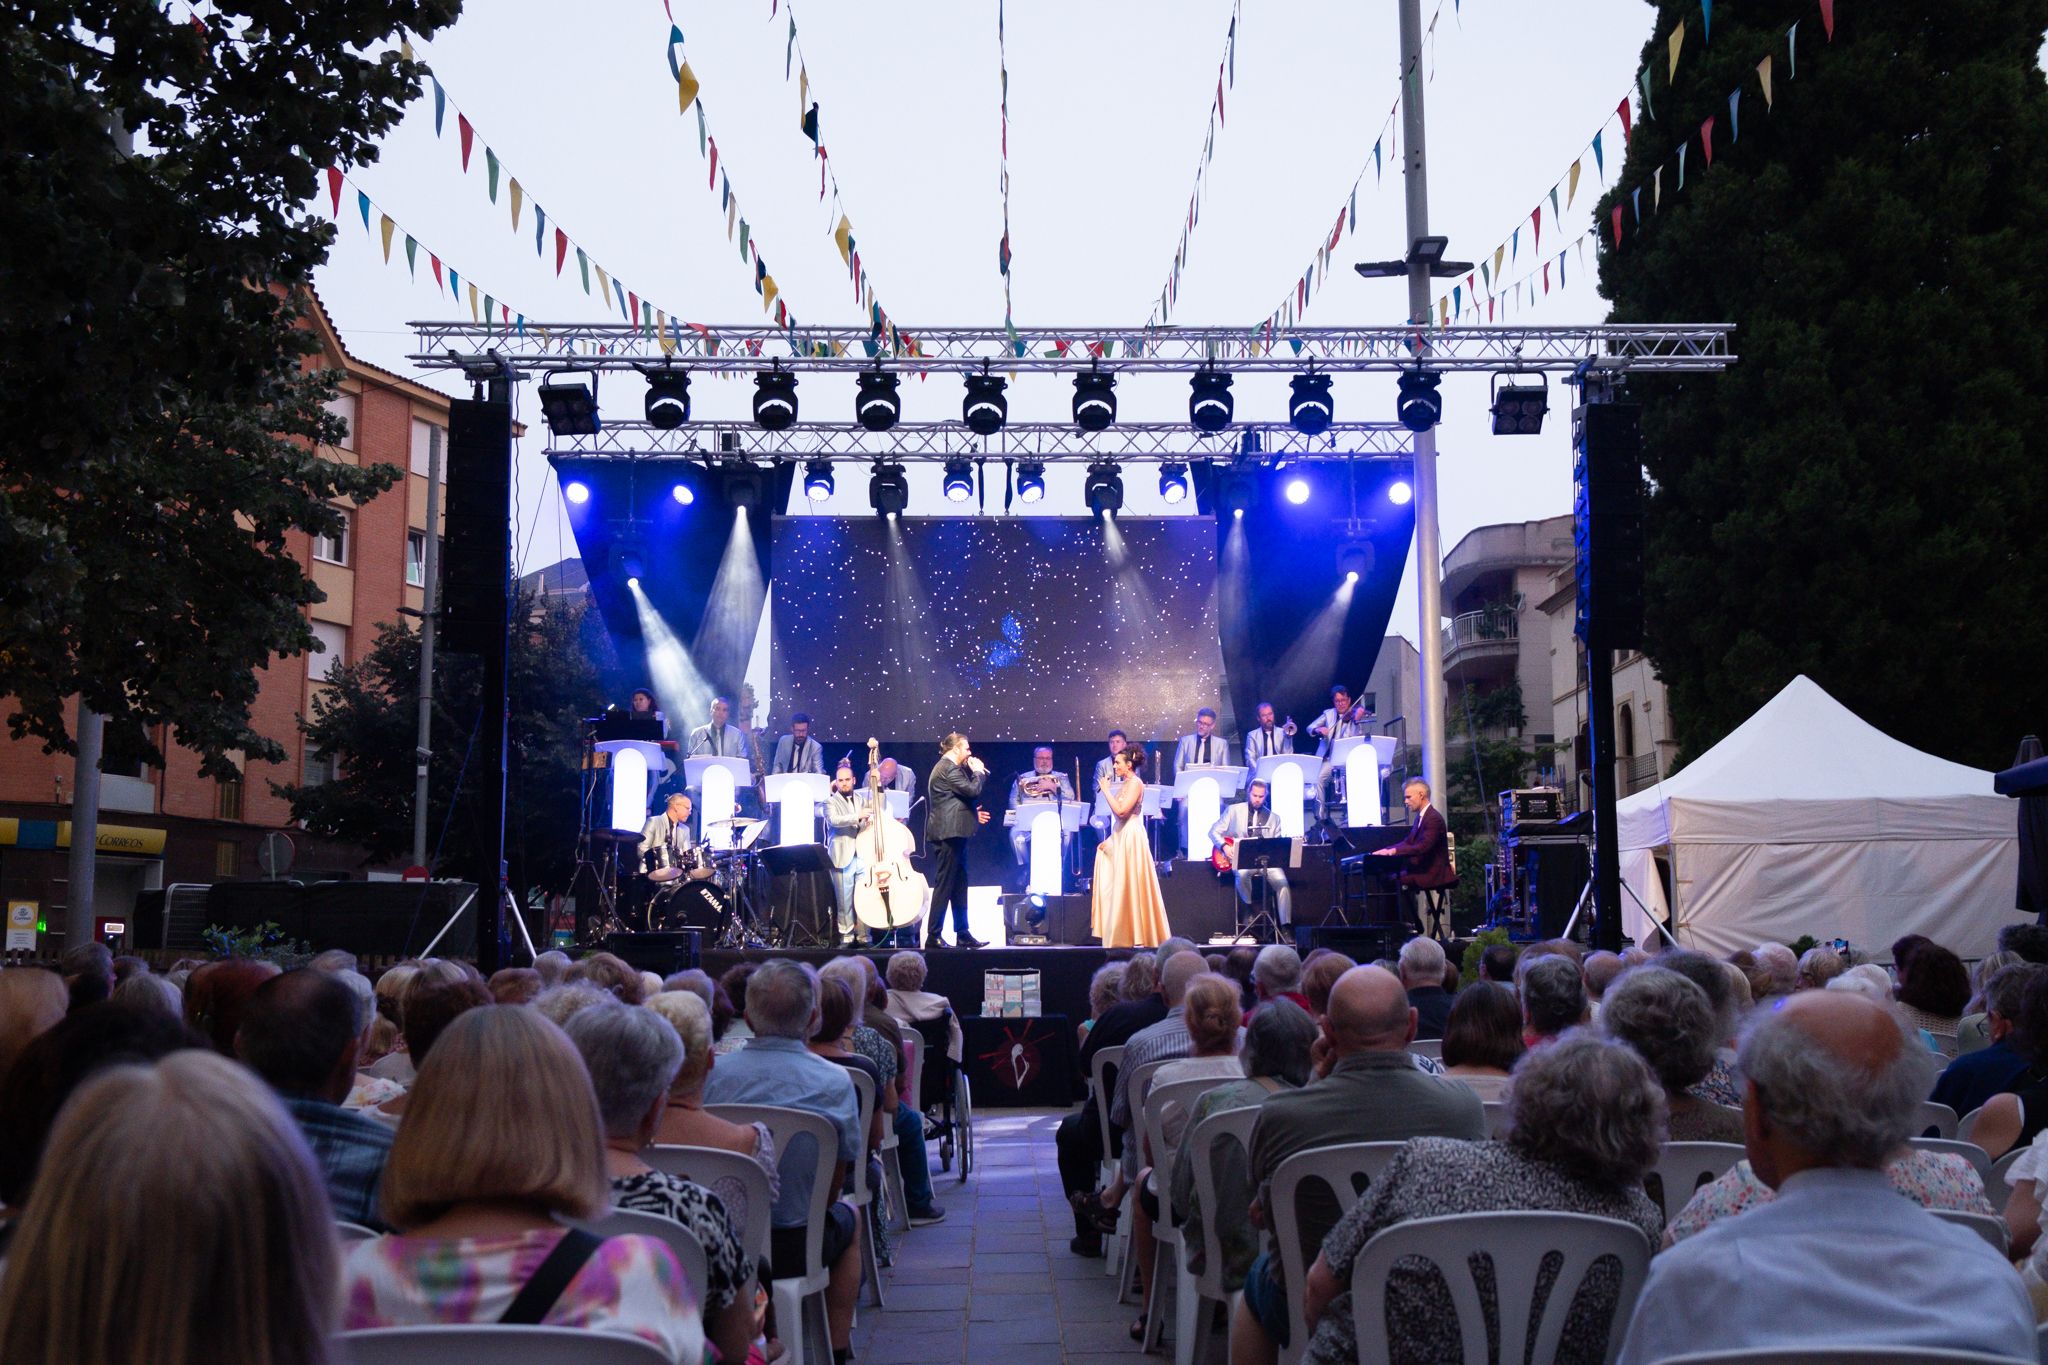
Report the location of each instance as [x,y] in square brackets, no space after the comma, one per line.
[692,905]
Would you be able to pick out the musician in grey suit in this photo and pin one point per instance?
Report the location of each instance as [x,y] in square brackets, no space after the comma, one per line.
[897,778]
[1339,721]
[1204,748]
[846,812]
[719,738]
[1104,780]
[797,752]
[669,833]
[1040,784]
[1253,818]
[1266,738]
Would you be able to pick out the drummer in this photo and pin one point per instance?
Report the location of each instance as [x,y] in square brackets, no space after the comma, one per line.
[668,836]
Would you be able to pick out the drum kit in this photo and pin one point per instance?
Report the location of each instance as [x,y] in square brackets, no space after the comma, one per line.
[697,886]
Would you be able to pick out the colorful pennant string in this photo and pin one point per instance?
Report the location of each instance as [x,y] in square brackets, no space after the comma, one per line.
[1226,76]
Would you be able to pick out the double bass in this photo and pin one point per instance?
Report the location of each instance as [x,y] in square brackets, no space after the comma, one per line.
[889,894]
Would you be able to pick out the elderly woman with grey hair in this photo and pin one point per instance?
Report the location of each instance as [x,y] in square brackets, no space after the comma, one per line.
[1670,1024]
[633,1055]
[1104,990]
[1585,1122]
[1553,999]
[911,1003]
[1274,1056]
[1713,977]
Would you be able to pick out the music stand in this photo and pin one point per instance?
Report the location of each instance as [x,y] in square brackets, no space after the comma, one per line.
[1229,782]
[793,859]
[1262,856]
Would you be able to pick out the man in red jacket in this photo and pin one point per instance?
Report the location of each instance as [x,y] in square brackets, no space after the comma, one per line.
[1425,860]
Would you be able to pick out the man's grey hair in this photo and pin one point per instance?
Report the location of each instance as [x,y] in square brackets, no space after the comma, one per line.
[1667,1020]
[782,999]
[1783,966]
[551,964]
[632,1055]
[559,1004]
[333,960]
[1176,944]
[2002,993]
[1422,962]
[1827,1104]
[1590,1106]
[365,993]
[1553,995]
[906,971]
[1706,973]
[147,990]
[1277,1042]
[1276,970]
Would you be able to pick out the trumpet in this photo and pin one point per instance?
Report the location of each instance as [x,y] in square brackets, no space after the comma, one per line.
[1289,728]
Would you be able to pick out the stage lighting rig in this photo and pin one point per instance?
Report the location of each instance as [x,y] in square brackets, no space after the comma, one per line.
[775,399]
[1420,406]
[877,405]
[1105,489]
[959,483]
[985,409]
[1518,408]
[1209,403]
[1354,560]
[818,480]
[742,483]
[568,404]
[1400,492]
[1310,409]
[576,491]
[1234,493]
[1094,400]
[668,398]
[1173,481]
[888,488]
[1031,481]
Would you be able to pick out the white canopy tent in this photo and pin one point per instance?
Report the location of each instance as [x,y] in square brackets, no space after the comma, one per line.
[1807,820]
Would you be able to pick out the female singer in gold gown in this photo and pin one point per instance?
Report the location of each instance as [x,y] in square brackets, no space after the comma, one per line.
[1129,910]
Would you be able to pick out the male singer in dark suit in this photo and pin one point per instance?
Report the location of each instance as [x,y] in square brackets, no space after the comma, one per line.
[950,819]
[1426,860]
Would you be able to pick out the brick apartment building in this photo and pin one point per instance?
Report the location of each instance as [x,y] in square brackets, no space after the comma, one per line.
[161,826]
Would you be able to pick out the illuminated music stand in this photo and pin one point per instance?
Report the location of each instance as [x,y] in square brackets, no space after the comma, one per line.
[1262,856]
[1290,805]
[1203,791]
[718,782]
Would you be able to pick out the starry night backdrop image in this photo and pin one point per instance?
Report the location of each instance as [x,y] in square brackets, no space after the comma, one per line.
[1020,629]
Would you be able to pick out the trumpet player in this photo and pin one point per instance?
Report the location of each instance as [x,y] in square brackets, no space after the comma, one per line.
[1040,783]
[1267,739]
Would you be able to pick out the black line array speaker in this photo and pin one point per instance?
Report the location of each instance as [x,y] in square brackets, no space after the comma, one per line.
[1607,523]
[477,564]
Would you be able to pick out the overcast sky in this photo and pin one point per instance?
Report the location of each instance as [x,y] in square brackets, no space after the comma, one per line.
[1108,111]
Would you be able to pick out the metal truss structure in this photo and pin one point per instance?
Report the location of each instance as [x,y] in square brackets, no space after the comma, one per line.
[485,348]
[1047,442]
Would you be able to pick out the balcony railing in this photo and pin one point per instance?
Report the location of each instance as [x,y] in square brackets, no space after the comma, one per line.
[1637,772]
[1481,628]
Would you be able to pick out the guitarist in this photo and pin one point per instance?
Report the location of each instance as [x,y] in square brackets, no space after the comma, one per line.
[847,812]
[1254,819]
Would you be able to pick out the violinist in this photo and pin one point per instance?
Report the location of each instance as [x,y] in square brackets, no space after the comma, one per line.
[1041,783]
[847,812]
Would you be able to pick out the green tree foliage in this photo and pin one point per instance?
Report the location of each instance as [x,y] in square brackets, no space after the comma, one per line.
[557,673]
[157,422]
[1860,498]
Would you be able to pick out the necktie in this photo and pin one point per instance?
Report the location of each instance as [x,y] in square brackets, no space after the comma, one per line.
[1269,740]
[1205,749]
[798,766]
[718,743]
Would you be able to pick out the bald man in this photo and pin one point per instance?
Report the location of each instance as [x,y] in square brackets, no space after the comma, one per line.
[1367,1089]
[1832,1087]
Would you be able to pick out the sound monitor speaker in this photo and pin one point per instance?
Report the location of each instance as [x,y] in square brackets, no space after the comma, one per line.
[1362,943]
[664,953]
[1607,523]
[477,565]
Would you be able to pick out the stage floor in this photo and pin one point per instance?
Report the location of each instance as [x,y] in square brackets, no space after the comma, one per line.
[957,973]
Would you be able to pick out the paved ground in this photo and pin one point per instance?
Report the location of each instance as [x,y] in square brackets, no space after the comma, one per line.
[995,1281]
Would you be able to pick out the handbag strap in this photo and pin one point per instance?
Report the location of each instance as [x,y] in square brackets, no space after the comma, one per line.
[537,1298]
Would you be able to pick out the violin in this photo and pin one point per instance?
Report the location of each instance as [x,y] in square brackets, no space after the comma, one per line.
[889,893]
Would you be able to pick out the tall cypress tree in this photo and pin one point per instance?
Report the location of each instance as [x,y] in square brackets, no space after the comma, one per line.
[1864,496]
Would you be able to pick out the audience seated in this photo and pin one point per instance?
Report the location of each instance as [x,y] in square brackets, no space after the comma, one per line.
[1669,1023]
[434,998]
[1585,1125]
[179,1219]
[1837,1259]
[391,1062]
[609,972]
[1158,1042]
[551,965]
[1933,988]
[911,1003]
[1079,1137]
[1720,1086]
[1779,972]
[632,1056]
[216,994]
[559,1004]
[477,1183]
[1239,964]
[1320,973]
[1598,972]
[1553,999]
[1275,1056]
[1104,990]
[2011,1119]
[1483,1038]
[1497,964]
[148,991]
[299,1034]
[515,986]
[88,972]
[875,1035]
[1422,973]
[776,1067]
[685,1122]
[1366,1090]
[1999,1067]
[1973,1032]
[733,1036]
[2029,941]
[1276,975]
[1817,967]
[32,1001]
[1209,1012]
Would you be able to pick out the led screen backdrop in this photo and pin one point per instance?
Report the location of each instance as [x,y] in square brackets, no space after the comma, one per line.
[1011,628]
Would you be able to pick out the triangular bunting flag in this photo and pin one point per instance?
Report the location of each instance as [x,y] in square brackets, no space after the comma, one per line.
[334,188]
[363,205]
[1617,224]
[467,135]
[1599,159]
[1571,189]
[1622,109]
[1635,198]
[1498,253]
[1536,223]
[1514,246]
[491,162]
[1656,188]
[1734,114]
[1219,101]
[1792,53]
[769,289]
[472,304]
[1375,159]
[1706,21]
[789,47]
[1643,85]
[1707,138]
[1554,215]
[454,283]
[384,229]
[583,268]
[842,237]
[435,262]
[518,201]
[1763,75]
[675,43]
[540,229]
[561,250]
[686,89]
[1683,147]
[1676,41]
[808,121]
[701,131]
[604,281]
[732,216]
[1827,18]
[412,249]
[440,104]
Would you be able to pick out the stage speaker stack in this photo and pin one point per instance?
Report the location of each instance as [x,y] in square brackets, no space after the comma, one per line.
[1607,523]
[477,563]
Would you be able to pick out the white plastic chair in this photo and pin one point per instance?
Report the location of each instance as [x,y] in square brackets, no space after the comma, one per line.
[349,1232]
[863,1197]
[1945,1044]
[1166,1253]
[1967,1125]
[1516,1244]
[1682,1167]
[738,1181]
[1830,1355]
[1496,1117]
[1196,1296]
[496,1343]
[800,1302]
[1338,1168]
[689,1252]
[1998,1185]
[1939,1117]
[1969,1151]
[1988,1226]
[1428,1047]
[1140,1084]
[1103,1070]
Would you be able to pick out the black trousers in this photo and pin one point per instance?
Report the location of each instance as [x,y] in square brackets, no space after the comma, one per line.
[949,886]
[1079,1144]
